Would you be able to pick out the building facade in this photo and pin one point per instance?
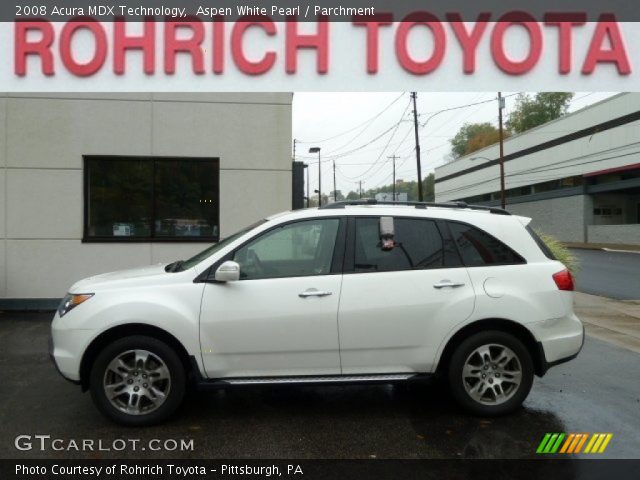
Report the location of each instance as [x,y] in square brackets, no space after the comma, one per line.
[577,177]
[91,183]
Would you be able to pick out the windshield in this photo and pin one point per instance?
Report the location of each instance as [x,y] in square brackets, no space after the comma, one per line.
[206,253]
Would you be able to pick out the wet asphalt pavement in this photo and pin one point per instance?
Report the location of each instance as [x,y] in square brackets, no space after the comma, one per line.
[608,274]
[597,392]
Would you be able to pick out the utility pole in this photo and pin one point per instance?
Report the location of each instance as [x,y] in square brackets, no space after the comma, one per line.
[335,192]
[415,127]
[360,187]
[393,159]
[502,192]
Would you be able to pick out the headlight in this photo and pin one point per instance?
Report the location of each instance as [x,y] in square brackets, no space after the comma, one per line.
[71,301]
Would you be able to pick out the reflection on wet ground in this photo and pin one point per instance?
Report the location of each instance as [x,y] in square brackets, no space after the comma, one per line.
[598,392]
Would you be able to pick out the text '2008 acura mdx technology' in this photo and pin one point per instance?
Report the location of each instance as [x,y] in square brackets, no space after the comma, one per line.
[350,292]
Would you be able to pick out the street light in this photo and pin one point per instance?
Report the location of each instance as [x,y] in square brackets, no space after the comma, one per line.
[502,190]
[317,150]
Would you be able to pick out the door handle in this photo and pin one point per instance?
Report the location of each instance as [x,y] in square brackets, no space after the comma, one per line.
[447,284]
[312,292]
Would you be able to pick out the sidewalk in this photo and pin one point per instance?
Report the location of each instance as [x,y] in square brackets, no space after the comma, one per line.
[614,247]
[614,321]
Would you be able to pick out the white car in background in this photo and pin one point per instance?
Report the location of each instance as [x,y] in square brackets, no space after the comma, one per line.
[350,292]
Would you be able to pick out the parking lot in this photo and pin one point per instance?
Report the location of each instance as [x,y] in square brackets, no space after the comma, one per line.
[598,392]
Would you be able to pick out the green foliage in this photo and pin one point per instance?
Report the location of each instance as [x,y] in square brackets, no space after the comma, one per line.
[561,252]
[353,195]
[472,137]
[530,112]
[410,188]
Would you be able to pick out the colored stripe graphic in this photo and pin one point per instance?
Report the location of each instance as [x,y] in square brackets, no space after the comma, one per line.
[581,443]
[556,445]
[590,444]
[543,443]
[567,443]
[607,439]
[572,443]
[550,443]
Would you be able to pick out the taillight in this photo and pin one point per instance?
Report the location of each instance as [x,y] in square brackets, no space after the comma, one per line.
[564,280]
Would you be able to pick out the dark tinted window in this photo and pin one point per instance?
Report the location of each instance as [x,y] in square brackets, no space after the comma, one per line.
[144,198]
[479,248]
[418,245]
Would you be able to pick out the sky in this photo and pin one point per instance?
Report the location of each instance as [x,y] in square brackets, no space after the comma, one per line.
[359,131]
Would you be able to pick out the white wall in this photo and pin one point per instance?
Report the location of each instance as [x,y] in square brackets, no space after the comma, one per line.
[608,149]
[43,138]
[614,234]
[563,217]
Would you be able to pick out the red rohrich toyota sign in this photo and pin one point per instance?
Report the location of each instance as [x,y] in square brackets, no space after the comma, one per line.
[209,44]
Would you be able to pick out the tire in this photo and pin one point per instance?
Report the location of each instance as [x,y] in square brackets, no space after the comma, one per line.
[481,395]
[144,364]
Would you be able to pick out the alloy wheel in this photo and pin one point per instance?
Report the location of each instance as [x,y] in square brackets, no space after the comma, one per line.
[137,382]
[492,374]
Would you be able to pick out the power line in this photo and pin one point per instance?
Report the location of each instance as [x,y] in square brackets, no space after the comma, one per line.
[359,125]
[465,106]
[395,129]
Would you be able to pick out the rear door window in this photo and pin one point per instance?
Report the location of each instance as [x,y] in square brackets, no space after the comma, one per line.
[478,248]
[419,245]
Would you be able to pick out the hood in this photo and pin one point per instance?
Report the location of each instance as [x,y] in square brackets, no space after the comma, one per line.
[121,277]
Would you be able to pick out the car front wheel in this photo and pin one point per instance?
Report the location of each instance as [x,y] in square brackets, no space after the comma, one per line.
[137,381]
[490,373]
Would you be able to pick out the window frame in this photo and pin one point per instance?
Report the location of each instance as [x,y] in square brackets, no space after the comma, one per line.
[350,251]
[86,238]
[337,262]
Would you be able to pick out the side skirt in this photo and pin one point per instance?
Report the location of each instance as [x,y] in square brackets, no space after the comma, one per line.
[385,378]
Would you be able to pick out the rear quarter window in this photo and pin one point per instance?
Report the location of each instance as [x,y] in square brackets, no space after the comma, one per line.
[478,248]
[543,246]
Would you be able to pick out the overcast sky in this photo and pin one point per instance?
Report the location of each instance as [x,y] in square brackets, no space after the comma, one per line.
[347,125]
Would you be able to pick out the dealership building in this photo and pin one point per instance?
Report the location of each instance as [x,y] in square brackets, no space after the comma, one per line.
[578,177]
[91,183]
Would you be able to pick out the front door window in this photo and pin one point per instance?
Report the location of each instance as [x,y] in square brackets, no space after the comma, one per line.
[295,250]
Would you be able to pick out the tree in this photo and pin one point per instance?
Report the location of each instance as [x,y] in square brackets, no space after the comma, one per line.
[472,137]
[530,112]
[353,195]
[485,139]
[410,188]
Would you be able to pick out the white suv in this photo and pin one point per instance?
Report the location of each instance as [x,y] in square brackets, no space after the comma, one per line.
[350,292]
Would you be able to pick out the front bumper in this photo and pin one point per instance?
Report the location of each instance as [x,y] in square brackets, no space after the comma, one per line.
[55,364]
[66,347]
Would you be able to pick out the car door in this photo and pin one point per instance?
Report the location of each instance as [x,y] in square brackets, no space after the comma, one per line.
[280,318]
[397,305]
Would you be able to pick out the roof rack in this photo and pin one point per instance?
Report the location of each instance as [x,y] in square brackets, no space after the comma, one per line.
[372,201]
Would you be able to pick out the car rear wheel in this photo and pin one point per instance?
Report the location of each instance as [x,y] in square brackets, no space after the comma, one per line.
[490,373]
[137,381]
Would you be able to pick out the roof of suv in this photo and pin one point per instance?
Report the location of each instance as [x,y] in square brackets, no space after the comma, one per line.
[454,210]
[422,205]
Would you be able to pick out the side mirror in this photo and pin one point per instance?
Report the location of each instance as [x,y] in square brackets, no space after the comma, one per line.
[229,271]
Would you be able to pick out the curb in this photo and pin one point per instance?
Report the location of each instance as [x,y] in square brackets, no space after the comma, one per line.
[621,251]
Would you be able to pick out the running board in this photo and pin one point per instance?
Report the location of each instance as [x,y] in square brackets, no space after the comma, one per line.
[311,380]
